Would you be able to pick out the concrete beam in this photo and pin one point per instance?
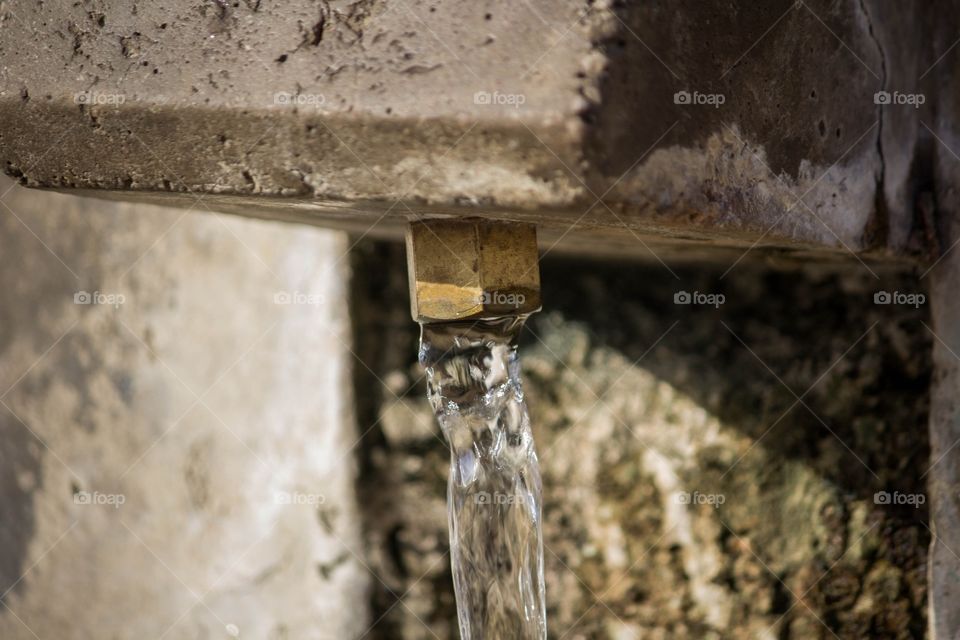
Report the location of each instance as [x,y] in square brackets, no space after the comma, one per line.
[603,123]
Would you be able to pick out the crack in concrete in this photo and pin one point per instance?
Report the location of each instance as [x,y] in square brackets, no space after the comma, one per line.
[882,211]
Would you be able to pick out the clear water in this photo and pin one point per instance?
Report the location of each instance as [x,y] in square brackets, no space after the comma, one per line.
[496,544]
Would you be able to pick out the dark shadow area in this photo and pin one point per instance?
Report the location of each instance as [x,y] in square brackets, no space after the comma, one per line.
[705,67]
[385,341]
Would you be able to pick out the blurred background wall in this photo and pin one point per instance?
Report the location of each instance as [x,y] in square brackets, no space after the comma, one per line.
[708,472]
[173,442]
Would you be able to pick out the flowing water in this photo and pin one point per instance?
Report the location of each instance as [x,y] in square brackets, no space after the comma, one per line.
[493,495]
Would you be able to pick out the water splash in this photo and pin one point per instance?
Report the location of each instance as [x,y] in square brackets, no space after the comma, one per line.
[494,505]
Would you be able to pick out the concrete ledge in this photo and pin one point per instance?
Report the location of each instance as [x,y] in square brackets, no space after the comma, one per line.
[751,124]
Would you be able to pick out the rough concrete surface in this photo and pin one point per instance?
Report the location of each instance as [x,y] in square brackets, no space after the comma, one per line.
[603,121]
[944,479]
[944,436]
[174,460]
[688,492]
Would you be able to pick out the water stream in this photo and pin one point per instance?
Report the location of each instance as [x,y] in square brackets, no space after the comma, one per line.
[496,544]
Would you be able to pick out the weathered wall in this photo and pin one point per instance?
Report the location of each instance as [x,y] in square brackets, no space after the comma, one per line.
[209,426]
[599,120]
[638,403]
[944,478]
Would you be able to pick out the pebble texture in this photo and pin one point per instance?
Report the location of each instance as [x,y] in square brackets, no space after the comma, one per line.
[174,461]
[688,492]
